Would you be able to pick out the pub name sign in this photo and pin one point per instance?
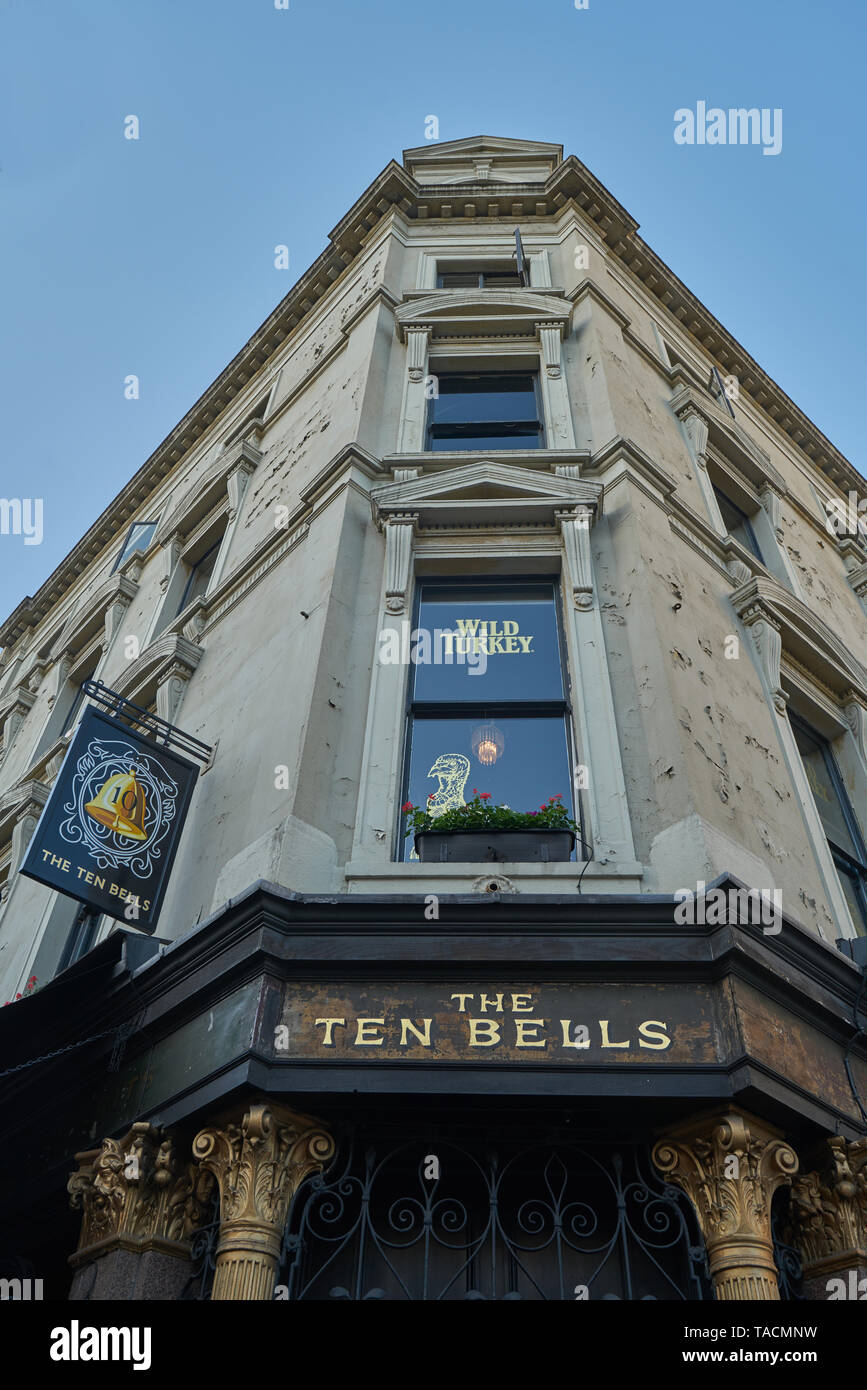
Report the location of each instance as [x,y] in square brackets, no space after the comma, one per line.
[450,1022]
[110,828]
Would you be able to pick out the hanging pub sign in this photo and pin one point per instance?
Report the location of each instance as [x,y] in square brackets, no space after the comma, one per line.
[110,829]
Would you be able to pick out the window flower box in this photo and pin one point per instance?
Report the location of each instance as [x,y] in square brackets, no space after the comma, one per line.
[542,846]
[478,833]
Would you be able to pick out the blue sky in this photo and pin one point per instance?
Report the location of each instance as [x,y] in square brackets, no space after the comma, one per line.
[261,126]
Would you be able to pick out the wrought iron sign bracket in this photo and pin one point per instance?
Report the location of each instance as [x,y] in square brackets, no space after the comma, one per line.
[150,724]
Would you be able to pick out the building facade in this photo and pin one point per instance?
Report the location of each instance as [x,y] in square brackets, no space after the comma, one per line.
[467,514]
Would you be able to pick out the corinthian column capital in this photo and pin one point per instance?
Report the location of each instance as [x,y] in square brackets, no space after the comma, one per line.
[259,1162]
[828,1213]
[135,1193]
[729,1165]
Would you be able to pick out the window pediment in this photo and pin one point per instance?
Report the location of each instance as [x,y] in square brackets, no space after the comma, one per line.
[211,488]
[803,635]
[156,661]
[485,492]
[728,439]
[118,592]
[474,313]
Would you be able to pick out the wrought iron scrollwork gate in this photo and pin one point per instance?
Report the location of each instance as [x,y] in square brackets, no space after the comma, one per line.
[441,1220]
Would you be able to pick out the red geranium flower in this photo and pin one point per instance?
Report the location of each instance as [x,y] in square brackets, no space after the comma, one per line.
[407,806]
[486,796]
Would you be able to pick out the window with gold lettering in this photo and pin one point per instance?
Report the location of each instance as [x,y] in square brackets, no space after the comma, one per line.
[488,704]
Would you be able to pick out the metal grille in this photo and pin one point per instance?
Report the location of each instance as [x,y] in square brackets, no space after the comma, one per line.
[553,1222]
[787,1259]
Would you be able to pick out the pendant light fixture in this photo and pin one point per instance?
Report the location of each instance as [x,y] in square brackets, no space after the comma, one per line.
[488,743]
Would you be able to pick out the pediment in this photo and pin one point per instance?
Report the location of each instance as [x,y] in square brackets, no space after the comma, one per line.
[480,158]
[474,313]
[86,620]
[210,488]
[173,649]
[806,638]
[730,438]
[484,492]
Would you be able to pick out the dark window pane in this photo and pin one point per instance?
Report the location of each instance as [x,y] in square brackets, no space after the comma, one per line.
[522,436]
[458,280]
[466,398]
[475,279]
[854,892]
[501,279]
[532,766]
[139,538]
[72,712]
[737,523]
[199,577]
[515,630]
[815,757]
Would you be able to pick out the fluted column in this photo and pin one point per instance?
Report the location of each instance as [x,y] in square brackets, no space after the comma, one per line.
[259,1165]
[828,1222]
[729,1164]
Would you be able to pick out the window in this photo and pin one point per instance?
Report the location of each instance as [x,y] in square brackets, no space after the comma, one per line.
[139,537]
[486,410]
[78,697]
[500,278]
[82,935]
[73,711]
[737,523]
[838,818]
[487,700]
[199,576]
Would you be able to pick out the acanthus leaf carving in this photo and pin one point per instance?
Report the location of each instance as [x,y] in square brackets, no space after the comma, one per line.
[729,1166]
[828,1212]
[135,1190]
[258,1163]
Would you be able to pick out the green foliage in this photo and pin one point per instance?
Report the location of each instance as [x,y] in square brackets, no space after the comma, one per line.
[480,814]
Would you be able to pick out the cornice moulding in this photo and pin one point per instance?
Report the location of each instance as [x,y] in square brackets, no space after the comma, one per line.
[351,456]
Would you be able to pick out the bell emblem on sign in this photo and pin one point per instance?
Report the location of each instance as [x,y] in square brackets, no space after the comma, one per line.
[120,804]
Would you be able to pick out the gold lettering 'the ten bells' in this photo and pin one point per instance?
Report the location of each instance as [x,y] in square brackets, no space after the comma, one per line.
[487,1032]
